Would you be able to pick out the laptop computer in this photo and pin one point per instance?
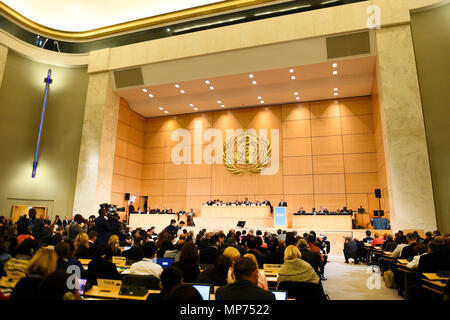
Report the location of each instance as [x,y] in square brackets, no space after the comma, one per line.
[204,290]
[241,223]
[136,291]
[165,262]
[280,295]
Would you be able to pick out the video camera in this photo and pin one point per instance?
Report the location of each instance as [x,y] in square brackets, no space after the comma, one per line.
[111,209]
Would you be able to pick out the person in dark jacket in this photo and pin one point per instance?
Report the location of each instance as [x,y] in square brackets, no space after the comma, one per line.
[437,259]
[135,252]
[189,262]
[217,275]
[102,227]
[350,250]
[100,265]
[389,244]
[246,285]
[209,254]
[37,225]
[408,251]
[310,256]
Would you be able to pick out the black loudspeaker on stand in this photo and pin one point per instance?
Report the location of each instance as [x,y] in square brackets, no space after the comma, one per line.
[127,196]
[379,212]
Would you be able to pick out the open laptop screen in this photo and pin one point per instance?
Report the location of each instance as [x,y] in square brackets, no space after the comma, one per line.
[203,289]
[280,295]
[165,262]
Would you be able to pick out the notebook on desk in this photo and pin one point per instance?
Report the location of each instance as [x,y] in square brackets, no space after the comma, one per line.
[434,276]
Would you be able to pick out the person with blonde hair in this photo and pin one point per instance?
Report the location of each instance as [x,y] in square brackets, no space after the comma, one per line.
[262,281]
[81,246]
[233,254]
[113,244]
[43,263]
[296,269]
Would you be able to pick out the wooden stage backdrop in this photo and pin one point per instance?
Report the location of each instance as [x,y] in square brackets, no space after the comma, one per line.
[331,155]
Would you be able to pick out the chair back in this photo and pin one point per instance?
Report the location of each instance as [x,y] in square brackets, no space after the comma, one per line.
[148,281]
[303,290]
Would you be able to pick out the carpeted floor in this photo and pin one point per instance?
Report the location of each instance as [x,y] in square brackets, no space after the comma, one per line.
[349,282]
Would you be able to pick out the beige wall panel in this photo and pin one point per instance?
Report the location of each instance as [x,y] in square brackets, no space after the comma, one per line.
[117,199]
[355,200]
[173,202]
[124,112]
[265,118]
[357,124]
[174,171]
[297,165]
[152,187]
[296,129]
[195,202]
[118,183]
[231,119]
[358,163]
[327,145]
[205,118]
[136,137]
[132,186]
[199,187]
[135,153]
[153,171]
[122,131]
[226,183]
[330,201]
[329,183]
[121,148]
[325,127]
[155,139]
[325,109]
[298,184]
[328,164]
[361,182]
[295,201]
[168,154]
[356,106]
[137,121]
[155,124]
[269,184]
[154,155]
[134,169]
[273,198]
[359,143]
[120,165]
[295,111]
[184,141]
[296,147]
[155,201]
[174,187]
[177,122]
[199,171]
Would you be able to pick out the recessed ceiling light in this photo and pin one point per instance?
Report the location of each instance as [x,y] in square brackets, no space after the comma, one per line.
[335,93]
[218,101]
[212,88]
[177,85]
[291,70]
[296,93]
[151,95]
[254,82]
[191,105]
[335,72]
[335,89]
[334,65]
[145,90]
[182,91]
[223,106]
[207,82]
[195,109]
[259,97]
[262,101]
[168,29]
[165,111]
[293,77]
[251,75]
[161,108]
[297,98]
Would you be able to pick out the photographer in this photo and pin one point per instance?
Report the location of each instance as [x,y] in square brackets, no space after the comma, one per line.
[117,227]
[103,227]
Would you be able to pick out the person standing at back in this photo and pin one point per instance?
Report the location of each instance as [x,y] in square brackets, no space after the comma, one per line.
[102,227]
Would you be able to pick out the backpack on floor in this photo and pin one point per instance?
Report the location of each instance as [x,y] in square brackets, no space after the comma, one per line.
[389,280]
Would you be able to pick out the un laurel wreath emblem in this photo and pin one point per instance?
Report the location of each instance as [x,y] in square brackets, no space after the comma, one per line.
[246,153]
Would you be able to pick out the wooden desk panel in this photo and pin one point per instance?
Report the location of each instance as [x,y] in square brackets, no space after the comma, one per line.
[322,223]
[244,212]
[148,220]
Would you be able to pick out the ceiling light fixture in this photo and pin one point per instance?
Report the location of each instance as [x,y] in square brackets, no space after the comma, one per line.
[293,77]
[207,82]
[334,65]
[195,109]
[209,24]
[335,93]
[161,108]
[296,93]
[223,106]
[212,88]
[251,75]
[165,111]
[262,101]
[182,91]
[150,95]
[145,90]
[335,89]
[335,72]
[218,101]
[177,85]
[191,105]
[254,82]
[329,1]
[282,10]
[259,97]
[291,70]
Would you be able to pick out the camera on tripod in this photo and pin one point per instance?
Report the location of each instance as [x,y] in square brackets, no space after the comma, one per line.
[111,209]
